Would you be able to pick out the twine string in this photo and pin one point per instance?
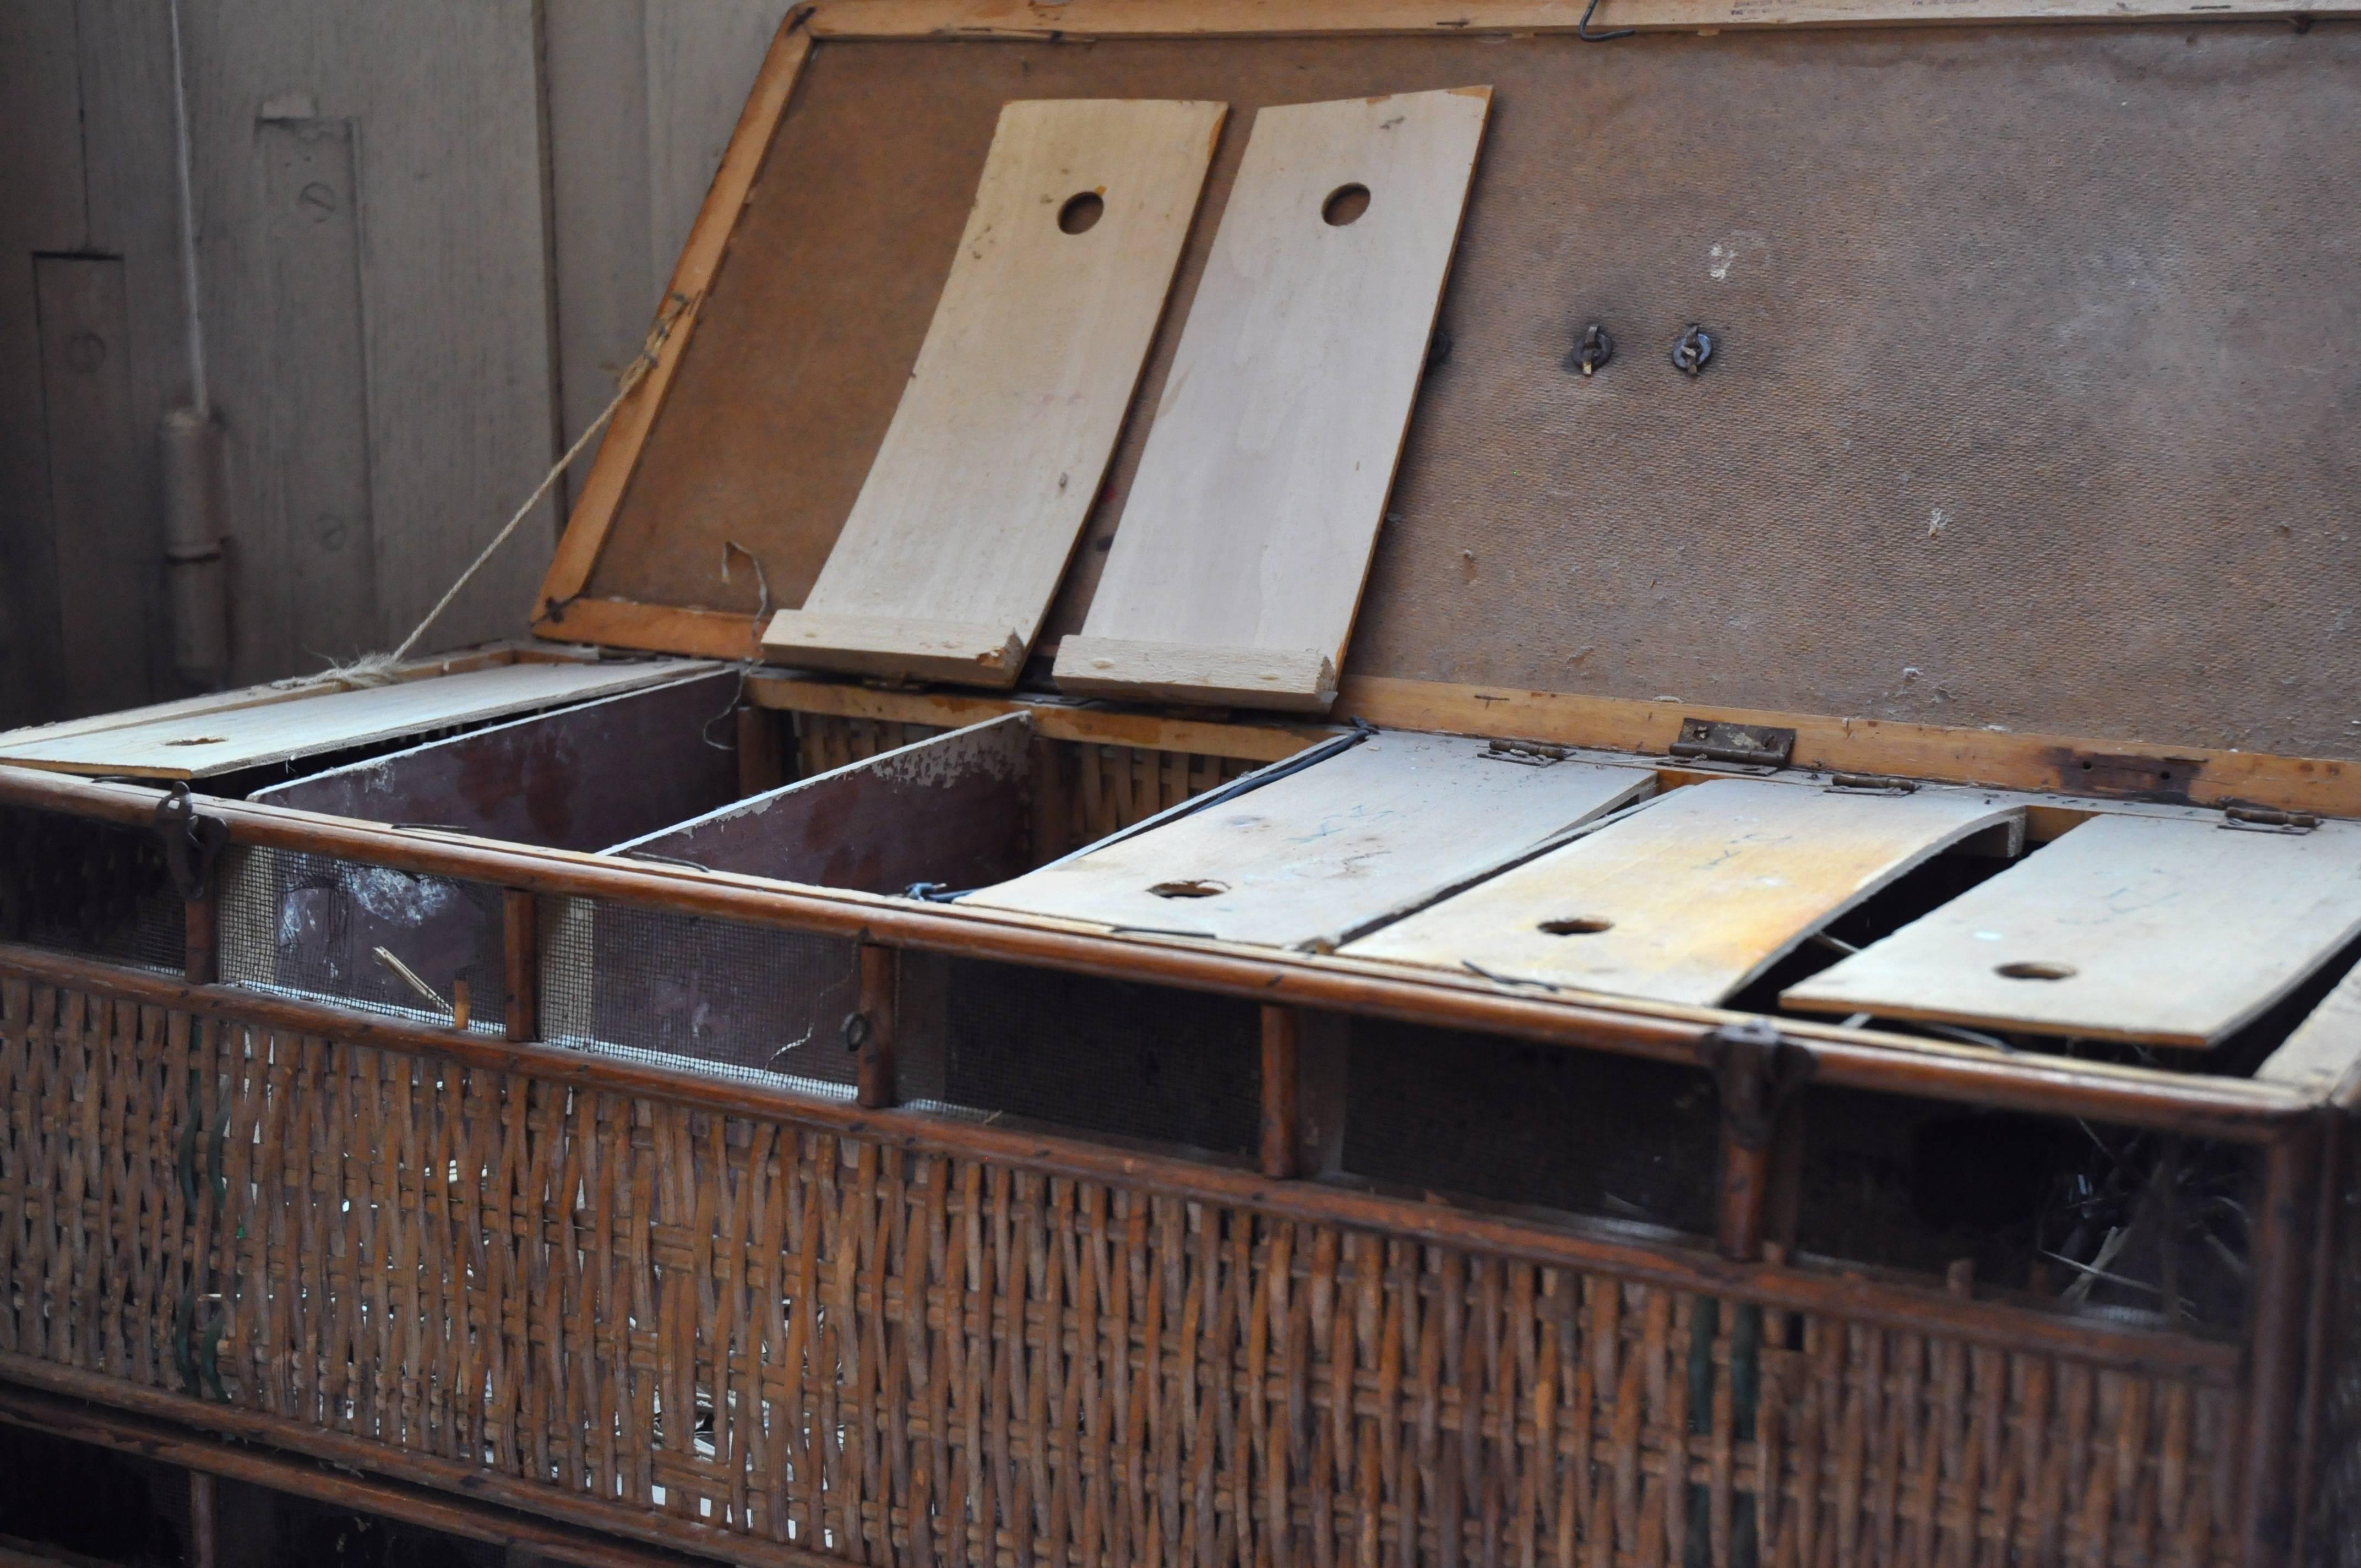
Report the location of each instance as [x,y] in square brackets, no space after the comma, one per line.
[377,669]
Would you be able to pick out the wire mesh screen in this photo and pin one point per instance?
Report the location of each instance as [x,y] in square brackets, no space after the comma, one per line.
[94,888]
[363,936]
[740,998]
[1098,1056]
[1611,1136]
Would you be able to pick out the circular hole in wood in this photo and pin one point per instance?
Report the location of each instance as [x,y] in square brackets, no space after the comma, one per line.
[1344,205]
[1081,212]
[1577,926]
[1194,887]
[2035,970]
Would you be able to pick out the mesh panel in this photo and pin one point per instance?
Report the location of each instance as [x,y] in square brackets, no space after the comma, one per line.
[746,999]
[1102,1055]
[313,925]
[1614,1137]
[94,888]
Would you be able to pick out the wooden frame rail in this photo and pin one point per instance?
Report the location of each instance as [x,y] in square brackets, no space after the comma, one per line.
[2231,1109]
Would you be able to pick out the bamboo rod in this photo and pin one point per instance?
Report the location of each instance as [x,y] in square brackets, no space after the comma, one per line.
[2290,1166]
[204,1519]
[2327,1210]
[359,1459]
[521,960]
[878,969]
[207,1460]
[2214,1107]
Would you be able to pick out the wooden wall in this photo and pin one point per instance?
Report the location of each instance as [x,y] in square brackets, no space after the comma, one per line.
[428,235]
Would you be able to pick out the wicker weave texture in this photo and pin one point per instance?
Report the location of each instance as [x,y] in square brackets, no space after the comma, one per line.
[796,1336]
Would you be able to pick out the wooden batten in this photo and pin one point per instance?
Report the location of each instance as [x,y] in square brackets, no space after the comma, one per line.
[1234,18]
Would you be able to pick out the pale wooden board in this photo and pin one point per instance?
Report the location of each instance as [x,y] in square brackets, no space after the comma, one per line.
[1001,440]
[188,746]
[2325,1047]
[1259,494]
[1320,854]
[2177,932]
[1702,890]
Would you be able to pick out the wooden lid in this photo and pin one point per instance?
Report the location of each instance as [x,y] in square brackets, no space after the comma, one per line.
[2035,402]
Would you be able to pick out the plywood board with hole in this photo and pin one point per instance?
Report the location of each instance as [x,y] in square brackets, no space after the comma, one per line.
[2164,932]
[965,525]
[1238,564]
[1691,898]
[948,810]
[1314,857]
[184,745]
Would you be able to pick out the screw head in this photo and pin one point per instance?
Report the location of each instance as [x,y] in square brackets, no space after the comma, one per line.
[1592,350]
[1691,350]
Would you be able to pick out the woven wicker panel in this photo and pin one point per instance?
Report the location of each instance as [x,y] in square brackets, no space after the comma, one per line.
[800,1338]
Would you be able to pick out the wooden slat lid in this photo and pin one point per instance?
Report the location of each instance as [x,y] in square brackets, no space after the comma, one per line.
[2032,403]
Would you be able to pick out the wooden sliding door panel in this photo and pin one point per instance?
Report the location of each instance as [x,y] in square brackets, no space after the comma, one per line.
[1317,855]
[1693,897]
[963,527]
[1238,564]
[2171,932]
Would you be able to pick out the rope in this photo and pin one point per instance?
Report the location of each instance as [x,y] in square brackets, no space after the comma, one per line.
[377,669]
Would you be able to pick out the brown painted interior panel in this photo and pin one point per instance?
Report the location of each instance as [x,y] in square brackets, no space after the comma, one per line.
[2036,399]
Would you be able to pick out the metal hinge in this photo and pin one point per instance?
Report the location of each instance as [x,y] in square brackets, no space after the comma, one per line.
[1755,745]
[1531,753]
[2266,819]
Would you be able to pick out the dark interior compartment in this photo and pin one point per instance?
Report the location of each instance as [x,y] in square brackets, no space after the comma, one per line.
[950,812]
[1142,1063]
[1505,1121]
[580,778]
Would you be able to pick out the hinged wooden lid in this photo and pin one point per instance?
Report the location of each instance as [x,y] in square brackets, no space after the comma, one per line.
[2035,404]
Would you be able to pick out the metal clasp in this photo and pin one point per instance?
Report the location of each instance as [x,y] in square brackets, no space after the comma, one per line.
[191,839]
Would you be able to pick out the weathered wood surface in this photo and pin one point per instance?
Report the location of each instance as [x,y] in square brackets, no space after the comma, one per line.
[1238,564]
[439,347]
[1320,854]
[184,745]
[642,100]
[2169,933]
[110,533]
[1692,897]
[950,809]
[581,778]
[971,510]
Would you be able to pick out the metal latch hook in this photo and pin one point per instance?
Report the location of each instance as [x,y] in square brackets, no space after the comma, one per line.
[191,841]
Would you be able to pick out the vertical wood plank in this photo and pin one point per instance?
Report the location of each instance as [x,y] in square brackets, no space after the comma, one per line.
[41,209]
[595,58]
[109,547]
[319,385]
